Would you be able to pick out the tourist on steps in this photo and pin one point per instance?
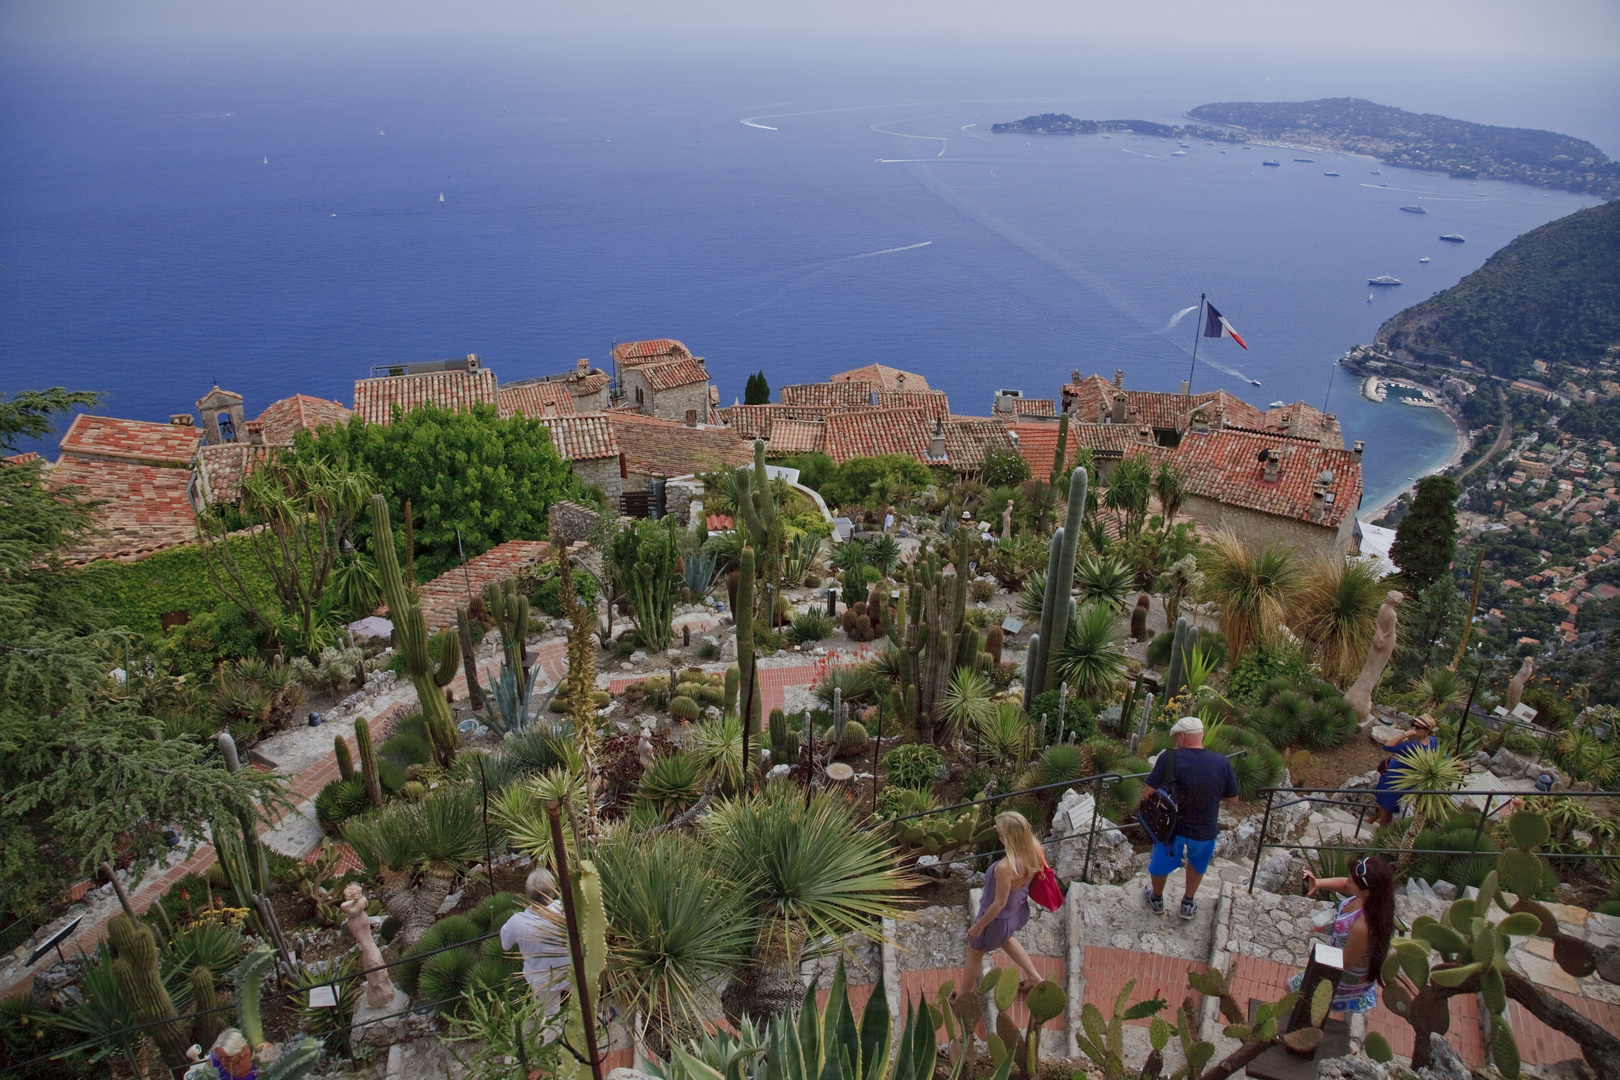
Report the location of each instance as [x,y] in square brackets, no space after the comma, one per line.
[1004,903]
[1202,778]
[1421,737]
[537,933]
[1362,926]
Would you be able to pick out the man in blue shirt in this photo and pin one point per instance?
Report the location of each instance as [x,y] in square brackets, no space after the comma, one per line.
[1202,779]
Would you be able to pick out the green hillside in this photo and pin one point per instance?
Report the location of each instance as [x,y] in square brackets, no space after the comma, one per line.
[1551,294]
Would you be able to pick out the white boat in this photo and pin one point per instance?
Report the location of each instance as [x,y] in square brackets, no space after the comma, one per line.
[1254,382]
[1179,153]
[267,161]
[441,196]
[1369,298]
[1384,279]
[1425,259]
[1415,209]
[1455,238]
[1330,174]
[1277,405]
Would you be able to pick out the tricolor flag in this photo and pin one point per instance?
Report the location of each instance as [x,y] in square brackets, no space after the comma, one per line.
[1215,325]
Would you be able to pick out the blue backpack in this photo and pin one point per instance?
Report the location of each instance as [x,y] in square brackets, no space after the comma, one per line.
[1158,811]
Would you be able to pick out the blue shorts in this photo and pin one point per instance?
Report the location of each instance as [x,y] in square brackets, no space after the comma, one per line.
[1167,857]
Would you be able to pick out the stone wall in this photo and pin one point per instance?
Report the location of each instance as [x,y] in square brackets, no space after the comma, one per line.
[932,937]
[571,521]
[1258,530]
[603,473]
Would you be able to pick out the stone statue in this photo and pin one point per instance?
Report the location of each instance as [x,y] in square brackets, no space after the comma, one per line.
[1515,692]
[380,990]
[1359,696]
[1006,522]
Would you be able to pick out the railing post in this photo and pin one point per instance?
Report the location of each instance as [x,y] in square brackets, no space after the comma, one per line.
[1483,817]
[1096,804]
[1260,844]
[1361,819]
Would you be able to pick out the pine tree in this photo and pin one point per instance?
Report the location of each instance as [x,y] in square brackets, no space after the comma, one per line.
[757,391]
[1426,538]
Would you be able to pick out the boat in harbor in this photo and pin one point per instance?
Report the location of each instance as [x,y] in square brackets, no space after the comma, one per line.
[1275,164]
[1179,153]
[1330,174]
[1415,209]
[1376,172]
[1384,279]
[1278,405]
[1455,238]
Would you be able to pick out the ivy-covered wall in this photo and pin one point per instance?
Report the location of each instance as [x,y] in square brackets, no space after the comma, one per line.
[138,594]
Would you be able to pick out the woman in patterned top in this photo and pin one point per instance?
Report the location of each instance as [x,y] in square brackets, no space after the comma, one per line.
[1362,926]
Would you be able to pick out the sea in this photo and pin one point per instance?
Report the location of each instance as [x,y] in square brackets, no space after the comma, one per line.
[277,216]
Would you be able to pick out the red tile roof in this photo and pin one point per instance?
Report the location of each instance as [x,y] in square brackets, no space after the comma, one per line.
[586,385]
[1225,466]
[967,438]
[758,421]
[654,447]
[111,439]
[882,378]
[537,399]
[220,469]
[21,459]
[1022,406]
[585,437]
[144,509]
[828,395]
[283,419]
[1037,442]
[375,399]
[1092,400]
[671,374]
[797,437]
[871,432]
[634,352]
[1216,409]
[1304,421]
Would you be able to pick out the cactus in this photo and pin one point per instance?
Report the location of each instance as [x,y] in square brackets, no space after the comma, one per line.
[932,640]
[1049,496]
[207,1003]
[733,684]
[136,972]
[1040,641]
[345,761]
[1172,677]
[510,611]
[943,835]
[1059,588]
[368,759]
[784,743]
[749,696]
[592,920]
[298,1058]
[1139,617]
[410,627]
[995,639]
[249,981]
[684,709]
[469,662]
[1046,1000]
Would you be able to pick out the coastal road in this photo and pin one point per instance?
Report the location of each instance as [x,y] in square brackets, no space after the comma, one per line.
[1502,437]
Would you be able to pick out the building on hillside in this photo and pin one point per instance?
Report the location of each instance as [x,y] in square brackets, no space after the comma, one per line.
[281,420]
[1095,400]
[140,472]
[221,416]
[655,449]
[1108,443]
[1014,403]
[662,379]
[589,442]
[1266,487]
[457,385]
[535,398]
[590,387]
[882,378]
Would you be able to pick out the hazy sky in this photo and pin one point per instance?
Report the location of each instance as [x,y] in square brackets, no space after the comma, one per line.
[1574,28]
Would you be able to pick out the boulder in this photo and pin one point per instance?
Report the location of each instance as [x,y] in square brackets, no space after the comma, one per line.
[1508,765]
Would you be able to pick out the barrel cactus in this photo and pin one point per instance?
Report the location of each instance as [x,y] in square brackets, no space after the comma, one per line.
[684,709]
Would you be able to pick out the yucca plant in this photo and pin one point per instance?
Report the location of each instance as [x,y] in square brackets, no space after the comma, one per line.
[670,783]
[1103,579]
[800,557]
[1032,595]
[1005,736]
[1436,691]
[967,703]
[1425,768]
[883,553]
[418,850]
[852,684]
[1253,591]
[1335,610]
[717,750]
[1092,654]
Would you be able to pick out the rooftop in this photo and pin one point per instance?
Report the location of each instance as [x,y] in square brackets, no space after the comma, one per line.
[585,437]
[283,419]
[638,352]
[144,508]
[671,374]
[968,438]
[220,469]
[376,399]
[882,378]
[111,439]
[538,399]
[1226,466]
[656,447]
[871,432]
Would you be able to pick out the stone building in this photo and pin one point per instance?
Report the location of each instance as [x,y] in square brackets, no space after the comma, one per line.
[221,416]
[140,472]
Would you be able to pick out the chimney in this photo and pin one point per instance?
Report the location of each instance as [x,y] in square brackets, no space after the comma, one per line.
[900,381]
[1318,505]
[472,361]
[551,410]
[1359,446]
[1186,388]
[181,419]
[255,432]
[583,366]
[1273,465]
[1118,416]
[936,442]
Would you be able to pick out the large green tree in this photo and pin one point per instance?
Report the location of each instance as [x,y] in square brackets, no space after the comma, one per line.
[85,774]
[493,479]
[28,414]
[1426,538]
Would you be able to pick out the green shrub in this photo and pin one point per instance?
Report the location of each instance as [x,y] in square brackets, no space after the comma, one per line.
[546,593]
[1261,767]
[812,625]
[339,801]
[913,766]
[136,595]
[1307,711]
[1079,716]
[1246,685]
[1158,651]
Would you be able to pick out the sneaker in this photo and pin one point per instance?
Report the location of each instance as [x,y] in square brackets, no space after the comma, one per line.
[1154,903]
[1189,908]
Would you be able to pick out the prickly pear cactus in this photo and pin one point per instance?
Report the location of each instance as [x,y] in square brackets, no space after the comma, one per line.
[1046,1001]
[593,944]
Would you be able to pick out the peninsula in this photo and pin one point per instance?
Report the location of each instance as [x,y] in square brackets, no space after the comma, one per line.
[1394,136]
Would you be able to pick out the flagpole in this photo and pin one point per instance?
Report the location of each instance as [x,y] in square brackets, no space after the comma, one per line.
[1198,332]
[1329,394]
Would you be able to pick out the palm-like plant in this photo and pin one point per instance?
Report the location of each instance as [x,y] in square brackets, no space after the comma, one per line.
[1431,769]
[1092,654]
[1130,486]
[1005,736]
[808,876]
[1103,578]
[1032,595]
[967,700]
[1437,690]
[884,553]
[676,930]
[418,850]
[1252,591]
[1336,611]
[1170,488]
[853,683]
[717,749]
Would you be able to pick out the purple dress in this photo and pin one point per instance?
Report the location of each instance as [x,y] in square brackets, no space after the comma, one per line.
[1012,918]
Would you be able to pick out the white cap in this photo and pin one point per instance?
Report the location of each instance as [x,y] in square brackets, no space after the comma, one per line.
[1188,725]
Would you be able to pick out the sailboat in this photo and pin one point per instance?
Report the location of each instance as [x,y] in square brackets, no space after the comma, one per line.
[441,196]
[1369,298]
[267,161]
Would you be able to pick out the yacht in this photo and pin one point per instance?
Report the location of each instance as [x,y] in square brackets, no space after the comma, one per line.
[1455,238]
[1306,160]
[1330,174]
[1179,153]
[1384,279]
[1376,172]
[1425,259]
[1415,209]
[441,196]
[1254,382]
[1276,164]
[1278,405]
[1183,145]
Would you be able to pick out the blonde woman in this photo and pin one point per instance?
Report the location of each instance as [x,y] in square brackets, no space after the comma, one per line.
[1004,903]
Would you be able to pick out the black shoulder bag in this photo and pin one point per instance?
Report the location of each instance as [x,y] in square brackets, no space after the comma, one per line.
[1158,811]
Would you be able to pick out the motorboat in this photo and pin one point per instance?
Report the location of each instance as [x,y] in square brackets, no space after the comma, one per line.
[1455,238]
[1274,164]
[1330,174]
[1416,209]
[1384,279]
[1425,259]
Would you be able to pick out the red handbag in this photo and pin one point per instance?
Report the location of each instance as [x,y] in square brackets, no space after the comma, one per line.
[1044,890]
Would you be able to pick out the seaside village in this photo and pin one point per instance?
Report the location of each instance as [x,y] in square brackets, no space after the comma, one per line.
[585,725]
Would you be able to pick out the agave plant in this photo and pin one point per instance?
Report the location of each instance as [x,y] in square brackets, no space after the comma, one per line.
[512,694]
[1092,654]
[670,784]
[699,572]
[1103,579]
[852,683]
[800,557]
[1005,736]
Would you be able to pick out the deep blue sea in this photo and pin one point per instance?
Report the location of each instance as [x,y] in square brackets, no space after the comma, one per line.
[267,216]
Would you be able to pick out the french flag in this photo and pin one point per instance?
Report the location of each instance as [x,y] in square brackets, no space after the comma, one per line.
[1215,325]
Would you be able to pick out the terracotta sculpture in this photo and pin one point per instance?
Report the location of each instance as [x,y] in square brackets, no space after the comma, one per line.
[1006,522]
[380,989]
[1515,692]
[1359,696]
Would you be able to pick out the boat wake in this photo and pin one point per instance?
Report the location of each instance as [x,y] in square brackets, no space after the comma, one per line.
[885,251]
[1178,316]
[749,122]
[823,267]
[881,130]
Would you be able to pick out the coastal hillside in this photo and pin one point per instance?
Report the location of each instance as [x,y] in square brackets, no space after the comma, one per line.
[1551,294]
[1426,141]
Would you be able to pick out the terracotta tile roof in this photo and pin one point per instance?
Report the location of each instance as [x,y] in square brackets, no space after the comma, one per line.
[797,437]
[1219,406]
[585,437]
[536,399]
[1225,466]
[1037,442]
[932,402]
[871,432]
[21,459]
[450,590]
[655,447]
[220,469]
[671,374]
[1305,421]
[1022,406]
[1092,401]
[375,399]
[283,419]
[586,385]
[639,352]
[110,439]
[1089,399]
[145,509]
[758,421]
[968,437]
[828,395]
[882,378]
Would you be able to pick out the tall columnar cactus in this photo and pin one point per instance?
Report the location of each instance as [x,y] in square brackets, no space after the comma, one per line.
[592,919]
[1049,496]
[249,981]
[135,969]
[368,759]
[754,498]
[1172,676]
[1043,633]
[469,662]
[995,639]
[1064,581]
[748,695]
[1032,668]
[345,760]
[207,1003]
[784,743]
[733,683]
[932,642]
[410,628]
[510,611]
